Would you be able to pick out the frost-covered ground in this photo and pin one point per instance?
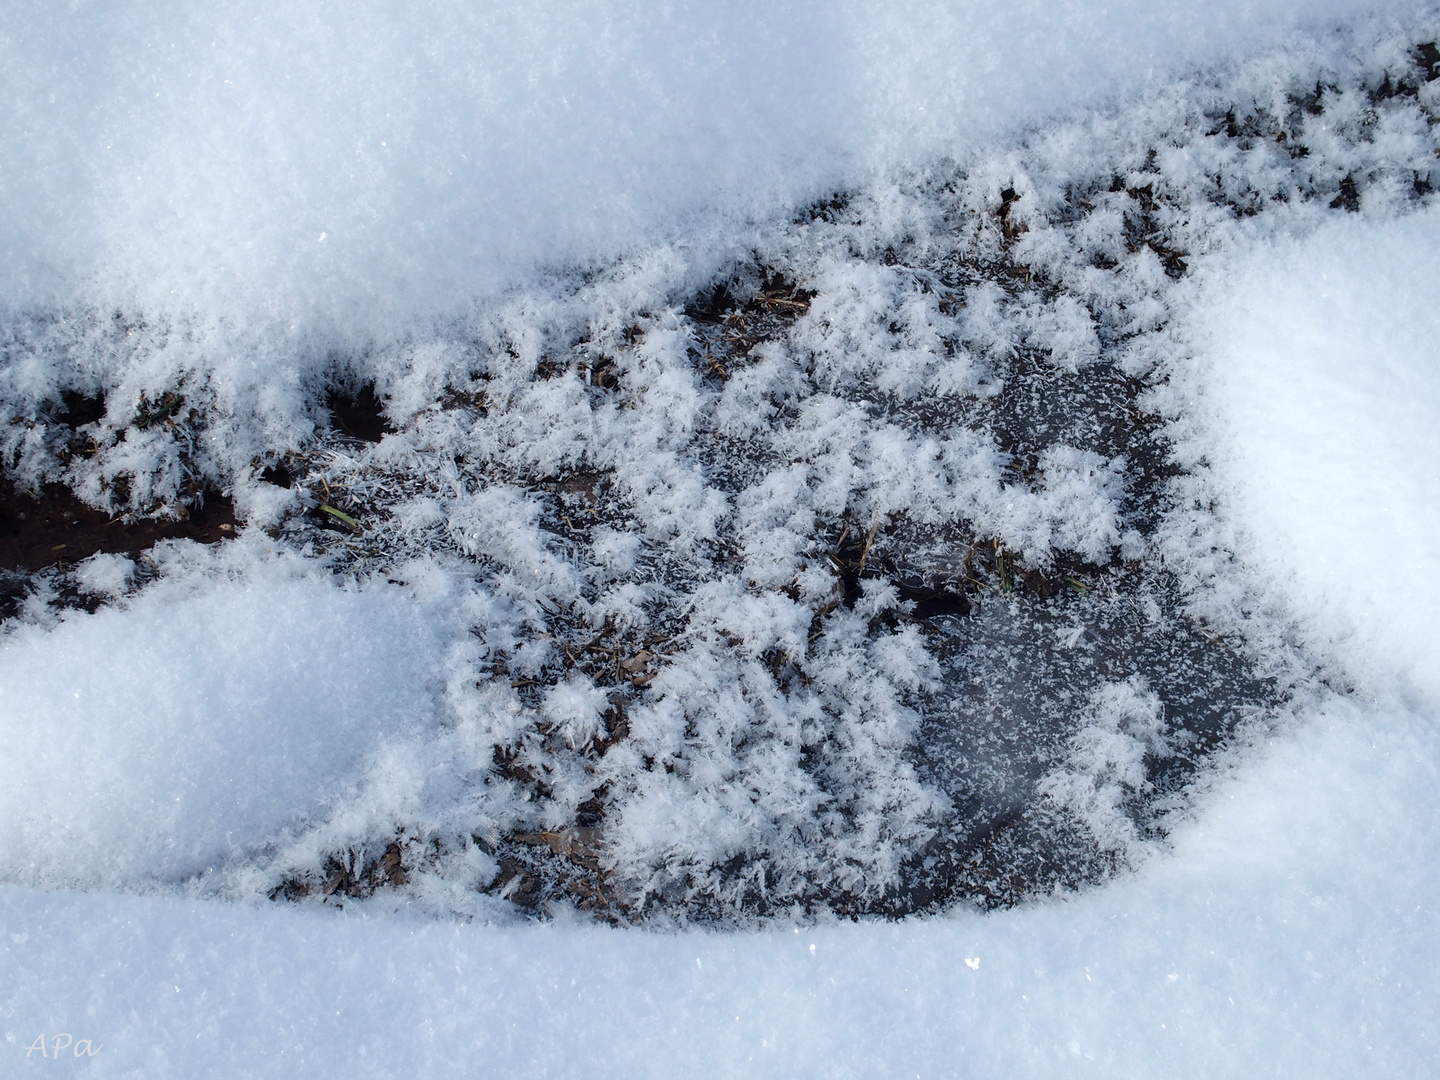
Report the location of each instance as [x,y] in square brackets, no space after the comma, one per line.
[933,494]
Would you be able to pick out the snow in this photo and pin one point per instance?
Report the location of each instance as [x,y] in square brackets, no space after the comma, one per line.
[1291,933]
[266,164]
[514,209]
[260,190]
[144,745]
[1106,764]
[1327,375]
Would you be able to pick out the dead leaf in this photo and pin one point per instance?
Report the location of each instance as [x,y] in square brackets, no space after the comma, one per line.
[390,864]
[577,845]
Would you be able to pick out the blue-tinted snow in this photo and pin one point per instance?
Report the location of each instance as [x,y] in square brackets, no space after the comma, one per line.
[318,176]
[1327,370]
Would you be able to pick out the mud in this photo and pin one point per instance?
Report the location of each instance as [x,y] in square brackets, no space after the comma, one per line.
[55,529]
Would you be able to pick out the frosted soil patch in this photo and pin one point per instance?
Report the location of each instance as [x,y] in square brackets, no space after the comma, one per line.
[151,744]
[802,583]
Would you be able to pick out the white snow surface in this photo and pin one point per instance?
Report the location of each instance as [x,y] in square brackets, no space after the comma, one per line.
[238,713]
[1326,355]
[1291,933]
[353,171]
[145,745]
[1289,930]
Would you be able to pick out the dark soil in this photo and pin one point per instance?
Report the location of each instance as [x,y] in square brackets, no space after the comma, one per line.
[56,529]
[361,414]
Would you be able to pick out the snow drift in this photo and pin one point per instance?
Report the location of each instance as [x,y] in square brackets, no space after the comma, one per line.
[147,745]
[324,176]
[1326,356]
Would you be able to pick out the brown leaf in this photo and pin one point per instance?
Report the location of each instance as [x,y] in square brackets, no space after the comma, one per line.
[516,885]
[577,845]
[390,864]
[637,662]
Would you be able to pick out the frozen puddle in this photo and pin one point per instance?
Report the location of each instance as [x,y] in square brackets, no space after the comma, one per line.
[892,565]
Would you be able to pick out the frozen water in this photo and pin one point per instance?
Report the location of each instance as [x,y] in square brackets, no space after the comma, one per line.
[794,503]
[786,579]
[247,167]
